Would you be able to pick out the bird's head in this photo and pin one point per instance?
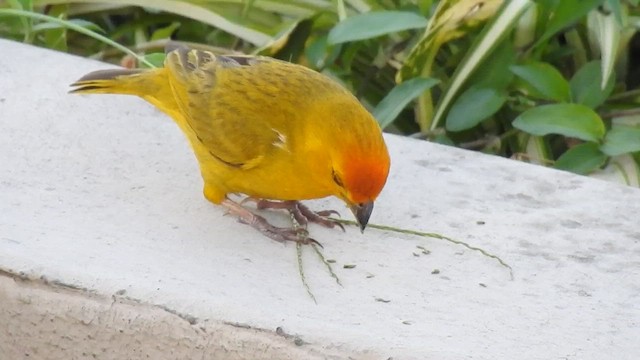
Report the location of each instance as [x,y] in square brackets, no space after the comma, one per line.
[359,174]
[350,139]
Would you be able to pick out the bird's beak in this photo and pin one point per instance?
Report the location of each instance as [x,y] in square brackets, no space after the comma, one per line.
[362,212]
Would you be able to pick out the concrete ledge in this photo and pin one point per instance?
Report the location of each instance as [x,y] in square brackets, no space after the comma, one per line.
[42,320]
[102,193]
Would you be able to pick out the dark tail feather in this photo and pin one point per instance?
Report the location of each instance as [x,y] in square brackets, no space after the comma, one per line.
[104,81]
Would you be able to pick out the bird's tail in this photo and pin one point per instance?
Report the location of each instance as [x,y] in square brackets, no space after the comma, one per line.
[149,84]
[116,81]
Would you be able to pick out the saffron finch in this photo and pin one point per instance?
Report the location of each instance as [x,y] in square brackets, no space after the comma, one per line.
[272,130]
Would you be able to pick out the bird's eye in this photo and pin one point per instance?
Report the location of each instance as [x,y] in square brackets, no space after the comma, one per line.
[337,179]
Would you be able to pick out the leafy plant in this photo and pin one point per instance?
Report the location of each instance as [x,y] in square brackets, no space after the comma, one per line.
[549,81]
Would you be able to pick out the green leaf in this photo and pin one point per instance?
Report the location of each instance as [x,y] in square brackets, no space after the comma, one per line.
[320,54]
[26,5]
[374,24]
[571,120]
[492,74]
[585,87]
[392,104]
[499,27]
[316,52]
[562,14]
[621,140]
[204,12]
[165,32]
[155,59]
[473,106]
[27,24]
[535,149]
[56,39]
[72,26]
[616,8]
[621,169]
[443,140]
[606,31]
[79,22]
[545,79]
[582,159]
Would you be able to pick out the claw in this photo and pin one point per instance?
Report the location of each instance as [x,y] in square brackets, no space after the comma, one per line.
[299,217]
[320,217]
[327,213]
[340,226]
[280,234]
[300,213]
[314,241]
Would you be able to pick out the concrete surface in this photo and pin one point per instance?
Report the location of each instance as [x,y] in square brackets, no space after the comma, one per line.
[104,232]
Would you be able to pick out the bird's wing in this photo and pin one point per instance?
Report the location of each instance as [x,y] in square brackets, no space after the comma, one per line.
[224,105]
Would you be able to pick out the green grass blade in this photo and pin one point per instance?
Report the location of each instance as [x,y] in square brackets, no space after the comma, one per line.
[75,27]
[188,10]
[607,32]
[499,28]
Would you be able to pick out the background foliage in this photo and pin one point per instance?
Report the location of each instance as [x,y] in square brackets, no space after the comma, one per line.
[553,82]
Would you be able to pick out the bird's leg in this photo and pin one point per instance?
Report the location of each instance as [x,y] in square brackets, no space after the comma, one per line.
[261,224]
[302,214]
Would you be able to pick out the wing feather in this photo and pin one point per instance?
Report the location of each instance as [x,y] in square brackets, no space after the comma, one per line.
[217,95]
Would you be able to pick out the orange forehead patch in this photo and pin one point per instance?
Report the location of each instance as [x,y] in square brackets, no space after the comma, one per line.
[364,177]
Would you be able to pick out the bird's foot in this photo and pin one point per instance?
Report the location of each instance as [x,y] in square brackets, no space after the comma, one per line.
[280,234]
[299,212]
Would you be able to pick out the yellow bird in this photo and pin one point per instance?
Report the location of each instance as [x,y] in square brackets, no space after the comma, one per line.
[274,131]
